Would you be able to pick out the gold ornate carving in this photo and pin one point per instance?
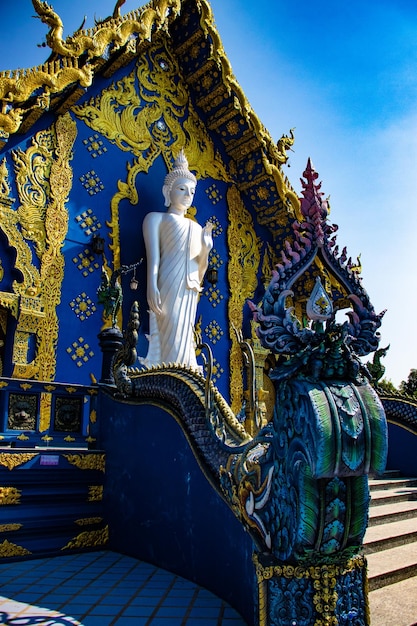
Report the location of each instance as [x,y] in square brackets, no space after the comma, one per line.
[43,180]
[20,350]
[283,144]
[5,189]
[95,493]
[244,260]
[7,528]
[12,460]
[128,191]
[9,495]
[10,224]
[45,412]
[87,461]
[117,31]
[9,301]
[142,114]
[8,549]
[32,180]
[56,225]
[89,539]
[86,521]
[146,109]
[57,76]
[323,577]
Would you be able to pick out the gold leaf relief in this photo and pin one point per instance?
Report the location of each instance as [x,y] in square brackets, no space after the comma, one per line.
[9,495]
[86,521]
[244,259]
[14,460]
[24,259]
[88,539]
[136,115]
[8,549]
[95,493]
[56,225]
[127,191]
[7,528]
[87,461]
[32,170]
[45,412]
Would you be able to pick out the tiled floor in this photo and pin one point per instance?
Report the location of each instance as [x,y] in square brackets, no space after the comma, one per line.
[104,589]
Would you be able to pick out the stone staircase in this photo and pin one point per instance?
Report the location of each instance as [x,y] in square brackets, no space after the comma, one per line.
[391,550]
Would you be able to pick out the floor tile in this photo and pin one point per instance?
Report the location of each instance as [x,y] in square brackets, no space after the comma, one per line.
[105,589]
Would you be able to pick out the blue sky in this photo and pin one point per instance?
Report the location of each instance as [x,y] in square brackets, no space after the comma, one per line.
[344,75]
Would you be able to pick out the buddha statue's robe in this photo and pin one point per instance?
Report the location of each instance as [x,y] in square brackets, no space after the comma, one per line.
[171,333]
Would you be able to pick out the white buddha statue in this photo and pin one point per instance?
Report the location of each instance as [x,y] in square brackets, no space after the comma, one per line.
[177,251]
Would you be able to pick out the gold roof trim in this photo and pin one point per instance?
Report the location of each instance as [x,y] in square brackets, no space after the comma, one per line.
[26,94]
[75,59]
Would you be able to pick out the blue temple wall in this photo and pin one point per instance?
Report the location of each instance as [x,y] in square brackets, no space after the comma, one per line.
[99,165]
[402,450]
[161,508]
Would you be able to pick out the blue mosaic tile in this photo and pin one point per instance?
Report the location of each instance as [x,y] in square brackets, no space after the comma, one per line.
[138,610]
[201,621]
[98,620]
[171,611]
[101,609]
[199,611]
[128,621]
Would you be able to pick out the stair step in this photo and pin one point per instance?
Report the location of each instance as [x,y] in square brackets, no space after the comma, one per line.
[386,496]
[392,512]
[378,484]
[389,535]
[392,473]
[392,565]
[394,605]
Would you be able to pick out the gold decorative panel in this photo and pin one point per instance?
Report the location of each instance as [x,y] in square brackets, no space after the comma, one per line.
[243,265]
[87,461]
[9,495]
[12,460]
[89,539]
[80,351]
[95,145]
[88,222]
[83,306]
[95,493]
[8,549]
[92,182]
[86,262]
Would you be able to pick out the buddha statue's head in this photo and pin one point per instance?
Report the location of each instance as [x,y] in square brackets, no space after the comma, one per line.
[180,170]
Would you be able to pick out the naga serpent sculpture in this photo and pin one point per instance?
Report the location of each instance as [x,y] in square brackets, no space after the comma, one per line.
[300,485]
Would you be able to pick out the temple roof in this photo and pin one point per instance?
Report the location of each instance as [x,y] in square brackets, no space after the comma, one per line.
[77,60]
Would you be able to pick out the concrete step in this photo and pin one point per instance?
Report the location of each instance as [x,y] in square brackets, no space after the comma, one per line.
[390,566]
[390,546]
[378,484]
[394,605]
[392,512]
[394,494]
[389,535]
[393,473]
